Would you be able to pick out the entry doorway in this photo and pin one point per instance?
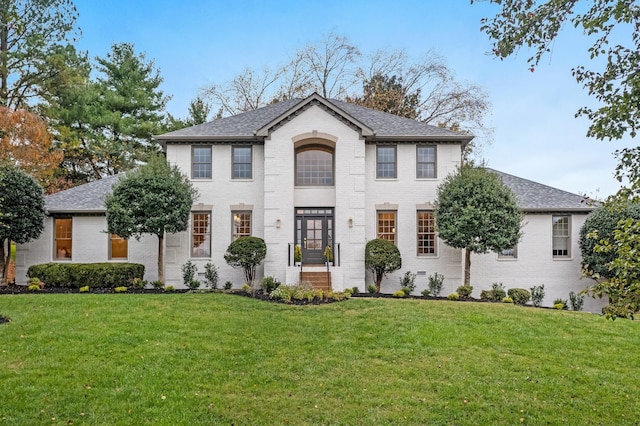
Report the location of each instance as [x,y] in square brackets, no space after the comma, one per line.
[314,232]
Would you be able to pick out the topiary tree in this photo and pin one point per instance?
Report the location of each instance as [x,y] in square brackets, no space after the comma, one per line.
[246,253]
[153,199]
[380,258]
[601,224]
[476,212]
[21,212]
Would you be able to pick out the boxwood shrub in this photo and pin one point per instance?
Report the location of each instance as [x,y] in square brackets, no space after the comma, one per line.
[520,296]
[95,275]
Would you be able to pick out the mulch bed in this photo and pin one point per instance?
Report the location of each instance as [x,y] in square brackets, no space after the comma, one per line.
[22,289]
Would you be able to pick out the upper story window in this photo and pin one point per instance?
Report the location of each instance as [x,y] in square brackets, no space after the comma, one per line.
[387,225]
[63,238]
[314,166]
[386,162]
[201,162]
[426,233]
[426,161]
[561,234]
[201,234]
[242,162]
[118,247]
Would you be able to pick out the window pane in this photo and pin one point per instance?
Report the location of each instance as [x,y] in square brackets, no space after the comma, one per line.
[242,162]
[241,224]
[426,233]
[201,166]
[201,235]
[63,238]
[387,226]
[426,162]
[314,166]
[386,162]
[119,247]
[561,239]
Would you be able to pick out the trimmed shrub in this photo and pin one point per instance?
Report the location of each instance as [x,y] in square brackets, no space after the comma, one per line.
[121,289]
[169,289]
[520,296]
[454,296]
[355,290]
[211,275]
[507,300]
[188,274]
[96,275]
[371,288]
[426,292]
[464,291]
[84,289]
[558,302]
[157,284]
[496,294]
[34,287]
[228,285]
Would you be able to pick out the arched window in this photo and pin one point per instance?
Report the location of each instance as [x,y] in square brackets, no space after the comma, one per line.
[314,165]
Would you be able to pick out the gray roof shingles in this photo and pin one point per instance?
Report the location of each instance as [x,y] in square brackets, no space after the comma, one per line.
[534,196]
[248,123]
[87,198]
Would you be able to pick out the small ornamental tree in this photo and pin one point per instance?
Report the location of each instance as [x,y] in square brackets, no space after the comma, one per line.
[246,253]
[153,199]
[601,224]
[476,212]
[21,212]
[380,258]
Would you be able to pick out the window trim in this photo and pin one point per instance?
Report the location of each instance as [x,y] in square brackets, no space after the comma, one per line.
[315,147]
[234,235]
[418,233]
[233,162]
[193,162]
[56,239]
[192,253]
[394,229]
[395,162]
[566,237]
[113,237]
[435,161]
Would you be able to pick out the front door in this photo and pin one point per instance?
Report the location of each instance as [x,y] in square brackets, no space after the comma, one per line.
[314,232]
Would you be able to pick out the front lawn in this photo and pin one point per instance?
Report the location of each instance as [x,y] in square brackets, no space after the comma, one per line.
[222,359]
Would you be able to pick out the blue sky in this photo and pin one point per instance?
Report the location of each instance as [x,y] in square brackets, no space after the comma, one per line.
[196,43]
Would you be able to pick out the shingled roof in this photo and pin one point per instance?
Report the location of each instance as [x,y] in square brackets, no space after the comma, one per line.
[254,125]
[86,198]
[536,197]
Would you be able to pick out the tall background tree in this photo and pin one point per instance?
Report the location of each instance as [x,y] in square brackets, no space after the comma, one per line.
[153,199]
[389,81]
[30,30]
[476,212]
[21,212]
[611,76]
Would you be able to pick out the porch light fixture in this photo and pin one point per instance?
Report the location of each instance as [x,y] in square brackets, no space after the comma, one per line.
[350,222]
[278,223]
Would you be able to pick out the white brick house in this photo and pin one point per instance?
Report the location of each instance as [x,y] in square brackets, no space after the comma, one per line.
[318,172]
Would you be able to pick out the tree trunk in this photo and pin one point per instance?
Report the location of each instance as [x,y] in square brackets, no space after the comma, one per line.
[467,267]
[161,258]
[5,258]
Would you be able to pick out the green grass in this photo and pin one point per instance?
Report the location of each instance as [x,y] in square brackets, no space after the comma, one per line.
[221,359]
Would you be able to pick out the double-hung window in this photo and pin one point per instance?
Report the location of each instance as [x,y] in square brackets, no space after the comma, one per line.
[242,162]
[118,247]
[426,233]
[426,161]
[201,162]
[63,238]
[241,224]
[386,165]
[200,234]
[387,225]
[561,235]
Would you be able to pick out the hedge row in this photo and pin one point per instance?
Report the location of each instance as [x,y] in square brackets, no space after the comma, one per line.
[95,275]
